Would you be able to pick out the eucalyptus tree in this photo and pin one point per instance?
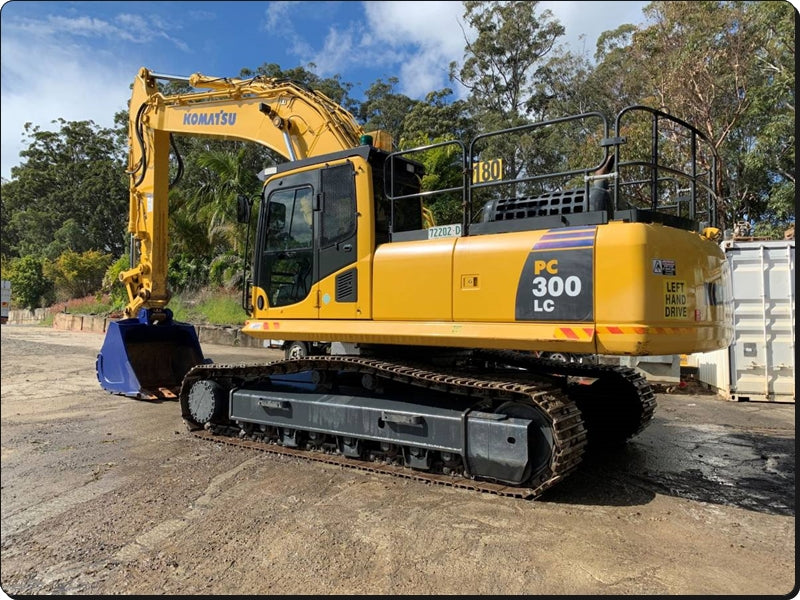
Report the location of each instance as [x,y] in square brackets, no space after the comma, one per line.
[333,87]
[769,167]
[384,108]
[517,75]
[727,68]
[504,62]
[438,116]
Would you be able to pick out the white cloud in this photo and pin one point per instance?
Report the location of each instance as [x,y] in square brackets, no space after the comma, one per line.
[132,28]
[431,26]
[52,25]
[337,50]
[417,38]
[52,68]
[278,14]
[425,37]
[422,38]
[47,81]
[584,21]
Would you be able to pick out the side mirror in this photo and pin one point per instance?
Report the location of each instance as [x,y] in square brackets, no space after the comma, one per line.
[243,205]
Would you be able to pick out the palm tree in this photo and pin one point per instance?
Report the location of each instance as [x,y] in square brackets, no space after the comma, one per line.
[203,222]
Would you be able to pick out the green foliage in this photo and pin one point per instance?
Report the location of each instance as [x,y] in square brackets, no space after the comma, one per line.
[443,170]
[384,109]
[736,86]
[205,238]
[70,192]
[76,275]
[226,271]
[222,309]
[502,67]
[31,288]
[187,272]
[111,284]
[437,118]
[215,202]
[67,237]
[333,87]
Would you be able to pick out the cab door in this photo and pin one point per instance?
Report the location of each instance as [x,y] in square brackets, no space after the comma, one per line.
[336,249]
[286,263]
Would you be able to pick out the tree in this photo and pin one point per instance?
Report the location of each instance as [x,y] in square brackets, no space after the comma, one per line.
[202,225]
[32,289]
[216,207]
[437,118]
[70,191]
[333,87]
[611,84]
[504,64]
[736,85]
[384,109]
[514,71]
[770,165]
[77,274]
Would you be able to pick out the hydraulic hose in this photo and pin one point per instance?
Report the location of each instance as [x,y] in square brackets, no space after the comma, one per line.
[179,174]
[140,137]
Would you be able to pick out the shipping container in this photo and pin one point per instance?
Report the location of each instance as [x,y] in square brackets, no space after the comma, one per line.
[759,365]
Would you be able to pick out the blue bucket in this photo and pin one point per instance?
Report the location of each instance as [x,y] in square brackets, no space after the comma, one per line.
[148,356]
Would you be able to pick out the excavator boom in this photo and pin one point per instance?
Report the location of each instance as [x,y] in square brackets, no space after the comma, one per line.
[295,122]
[281,115]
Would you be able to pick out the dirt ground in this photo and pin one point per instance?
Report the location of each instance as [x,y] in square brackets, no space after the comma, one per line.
[102,494]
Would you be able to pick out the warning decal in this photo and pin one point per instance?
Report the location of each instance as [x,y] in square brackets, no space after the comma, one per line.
[664,267]
[675,301]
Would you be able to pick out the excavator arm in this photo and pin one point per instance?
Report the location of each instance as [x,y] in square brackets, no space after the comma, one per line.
[147,354]
[287,118]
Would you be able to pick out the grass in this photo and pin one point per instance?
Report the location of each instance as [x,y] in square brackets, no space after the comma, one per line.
[90,305]
[209,307]
[206,307]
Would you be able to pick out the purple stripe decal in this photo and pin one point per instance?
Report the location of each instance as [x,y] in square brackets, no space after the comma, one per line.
[544,245]
[578,237]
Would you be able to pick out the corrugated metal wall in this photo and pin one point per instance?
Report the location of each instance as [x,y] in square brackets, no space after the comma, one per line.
[760,364]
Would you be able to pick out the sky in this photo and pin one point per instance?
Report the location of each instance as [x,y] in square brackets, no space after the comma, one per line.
[76,60]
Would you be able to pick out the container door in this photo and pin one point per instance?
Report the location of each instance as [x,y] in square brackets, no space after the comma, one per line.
[762,352]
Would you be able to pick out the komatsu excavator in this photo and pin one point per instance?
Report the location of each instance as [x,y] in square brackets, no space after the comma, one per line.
[417,349]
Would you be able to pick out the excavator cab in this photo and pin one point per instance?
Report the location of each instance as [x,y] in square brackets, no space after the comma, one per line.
[146,357]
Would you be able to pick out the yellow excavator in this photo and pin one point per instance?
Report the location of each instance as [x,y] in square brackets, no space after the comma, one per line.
[421,349]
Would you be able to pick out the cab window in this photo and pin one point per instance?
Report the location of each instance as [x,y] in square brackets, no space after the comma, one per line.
[288,255]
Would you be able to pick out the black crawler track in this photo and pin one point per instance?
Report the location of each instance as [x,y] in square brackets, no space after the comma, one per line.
[618,405]
[484,382]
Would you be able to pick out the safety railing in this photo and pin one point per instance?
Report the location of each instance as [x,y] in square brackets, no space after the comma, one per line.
[569,171]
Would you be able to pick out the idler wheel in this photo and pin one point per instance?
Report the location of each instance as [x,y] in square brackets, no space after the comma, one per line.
[207,401]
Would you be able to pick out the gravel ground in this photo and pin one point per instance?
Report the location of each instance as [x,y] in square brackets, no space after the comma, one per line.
[103,494]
